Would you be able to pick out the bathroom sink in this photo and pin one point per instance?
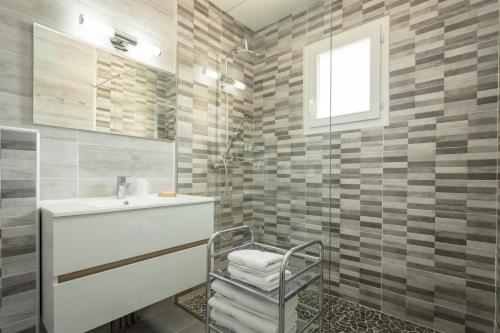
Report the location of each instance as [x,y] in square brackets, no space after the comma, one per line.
[131,201]
[82,206]
[110,202]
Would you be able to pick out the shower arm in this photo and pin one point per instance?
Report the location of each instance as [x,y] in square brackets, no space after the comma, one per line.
[226,82]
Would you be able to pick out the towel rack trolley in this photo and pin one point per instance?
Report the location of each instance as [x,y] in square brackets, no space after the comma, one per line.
[289,286]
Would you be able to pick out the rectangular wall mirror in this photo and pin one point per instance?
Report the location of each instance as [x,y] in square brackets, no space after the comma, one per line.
[77,85]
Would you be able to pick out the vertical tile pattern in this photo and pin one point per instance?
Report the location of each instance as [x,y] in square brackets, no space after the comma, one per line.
[137,101]
[206,35]
[18,231]
[414,204]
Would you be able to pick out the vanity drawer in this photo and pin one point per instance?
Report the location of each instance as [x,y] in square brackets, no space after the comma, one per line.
[166,228]
[91,301]
[85,241]
[99,298]
[165,276]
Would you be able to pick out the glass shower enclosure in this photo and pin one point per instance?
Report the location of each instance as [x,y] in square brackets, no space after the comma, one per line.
[240,129]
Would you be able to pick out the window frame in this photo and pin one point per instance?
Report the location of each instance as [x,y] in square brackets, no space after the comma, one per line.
[378,31]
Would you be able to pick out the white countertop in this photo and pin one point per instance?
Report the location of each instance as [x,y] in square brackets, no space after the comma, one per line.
[83,206]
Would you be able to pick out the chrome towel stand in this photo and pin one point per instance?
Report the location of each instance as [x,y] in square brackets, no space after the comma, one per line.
[288,286]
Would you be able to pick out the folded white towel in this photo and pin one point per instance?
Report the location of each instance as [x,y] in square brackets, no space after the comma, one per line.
[272,270]
[266,283]
[257,322]
[253,302]
[224,320]
[238,305]
[255,259]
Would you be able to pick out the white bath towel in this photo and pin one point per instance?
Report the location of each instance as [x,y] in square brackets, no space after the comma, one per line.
[255,259]
[226,321]
[253,302]
[229,322]
[255,272]
[266,283]
[254,321]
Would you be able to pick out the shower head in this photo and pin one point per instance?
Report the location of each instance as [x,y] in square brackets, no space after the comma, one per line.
[242,52]
[248,56]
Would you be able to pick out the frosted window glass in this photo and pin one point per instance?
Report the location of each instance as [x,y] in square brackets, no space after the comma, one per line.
[350,75]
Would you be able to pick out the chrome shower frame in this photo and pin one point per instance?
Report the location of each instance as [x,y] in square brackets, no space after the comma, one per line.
[226,160]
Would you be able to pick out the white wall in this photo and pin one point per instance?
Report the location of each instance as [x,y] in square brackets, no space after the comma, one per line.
[78,163]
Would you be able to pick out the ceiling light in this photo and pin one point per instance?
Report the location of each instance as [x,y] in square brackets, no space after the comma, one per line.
[239,85]
[211,73]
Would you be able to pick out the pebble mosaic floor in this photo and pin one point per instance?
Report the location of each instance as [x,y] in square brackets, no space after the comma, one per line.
[343,317]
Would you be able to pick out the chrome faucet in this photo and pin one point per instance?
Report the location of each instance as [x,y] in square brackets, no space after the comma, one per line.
[121,187]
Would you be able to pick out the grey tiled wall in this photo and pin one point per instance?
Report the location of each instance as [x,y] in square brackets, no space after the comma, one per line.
[18,232]
[413,228]
[205,36]
[414,204]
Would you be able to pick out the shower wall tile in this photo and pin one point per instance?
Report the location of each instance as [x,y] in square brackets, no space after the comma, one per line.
[205,36]
[18,231]
[494,83]
[414,217]
[413,205]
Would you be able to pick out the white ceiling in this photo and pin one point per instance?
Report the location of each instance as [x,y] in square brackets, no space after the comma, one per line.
[257,14]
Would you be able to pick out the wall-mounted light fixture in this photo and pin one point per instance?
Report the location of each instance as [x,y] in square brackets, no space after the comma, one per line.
[239,85]
[210,73]
[95,27]
[155,50]
[119,39]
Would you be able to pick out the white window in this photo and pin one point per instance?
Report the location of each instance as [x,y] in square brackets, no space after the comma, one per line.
[346,79]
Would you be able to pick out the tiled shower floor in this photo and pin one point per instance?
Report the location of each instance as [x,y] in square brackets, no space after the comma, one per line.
[343,316]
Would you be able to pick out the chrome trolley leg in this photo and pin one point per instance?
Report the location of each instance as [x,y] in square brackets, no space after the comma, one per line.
[320,287]
[209,284]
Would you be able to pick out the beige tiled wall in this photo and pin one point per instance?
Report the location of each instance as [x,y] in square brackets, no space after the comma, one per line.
[78,163]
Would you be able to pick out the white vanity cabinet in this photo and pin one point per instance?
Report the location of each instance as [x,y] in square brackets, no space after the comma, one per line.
[105,258]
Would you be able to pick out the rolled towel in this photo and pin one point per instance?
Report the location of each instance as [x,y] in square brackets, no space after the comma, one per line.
[249,319]
[252,302]
[266,283]
[255,259]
